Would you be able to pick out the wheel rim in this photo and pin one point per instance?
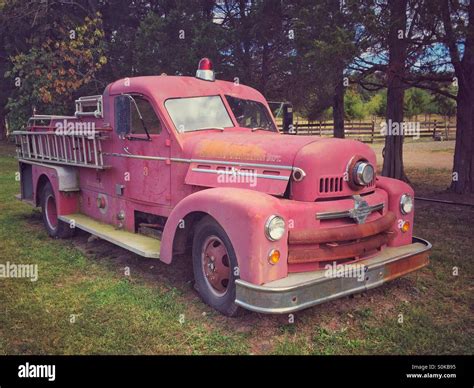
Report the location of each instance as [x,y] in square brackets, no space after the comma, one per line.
[51,212]
[216,265]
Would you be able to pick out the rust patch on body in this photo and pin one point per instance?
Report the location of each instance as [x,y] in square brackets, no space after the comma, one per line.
[343,233]
[402,267]
[225,150]
[308,254]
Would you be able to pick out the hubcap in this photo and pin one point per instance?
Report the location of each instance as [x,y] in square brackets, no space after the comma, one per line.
[215,265]
[51,212]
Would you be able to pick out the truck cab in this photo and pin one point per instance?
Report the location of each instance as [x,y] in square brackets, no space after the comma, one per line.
[170,165]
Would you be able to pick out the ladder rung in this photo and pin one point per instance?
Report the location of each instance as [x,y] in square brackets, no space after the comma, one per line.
[78,150]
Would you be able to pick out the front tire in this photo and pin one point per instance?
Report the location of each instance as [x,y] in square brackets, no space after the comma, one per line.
[214,265]
[49,209]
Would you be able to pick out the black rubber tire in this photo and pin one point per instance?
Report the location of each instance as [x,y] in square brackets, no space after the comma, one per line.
[224,304]
[62,230]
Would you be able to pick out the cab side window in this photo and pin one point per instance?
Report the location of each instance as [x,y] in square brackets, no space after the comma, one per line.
[151,120]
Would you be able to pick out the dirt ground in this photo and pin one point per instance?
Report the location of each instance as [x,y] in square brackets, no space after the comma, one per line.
[423,154]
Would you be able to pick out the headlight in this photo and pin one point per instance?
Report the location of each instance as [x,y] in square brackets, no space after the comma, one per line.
[274,228]
[363,173]
[406,204]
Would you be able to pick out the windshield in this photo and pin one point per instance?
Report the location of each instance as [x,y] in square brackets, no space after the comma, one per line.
[251,114]
[195,113]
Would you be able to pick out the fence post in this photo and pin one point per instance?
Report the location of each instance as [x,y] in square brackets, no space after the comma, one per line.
[434,129]
[373,131]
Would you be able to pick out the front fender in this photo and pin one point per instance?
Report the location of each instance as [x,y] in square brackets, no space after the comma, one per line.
[242,214]
[395,189]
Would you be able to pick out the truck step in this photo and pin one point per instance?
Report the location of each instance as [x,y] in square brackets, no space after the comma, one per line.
[139,244]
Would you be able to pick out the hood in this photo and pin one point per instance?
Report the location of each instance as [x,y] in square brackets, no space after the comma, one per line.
[243,145]
[262,161]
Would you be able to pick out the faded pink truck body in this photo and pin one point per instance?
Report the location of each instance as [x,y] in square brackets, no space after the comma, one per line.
[172,176]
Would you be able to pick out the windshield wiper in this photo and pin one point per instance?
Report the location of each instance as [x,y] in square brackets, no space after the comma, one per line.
[260,129]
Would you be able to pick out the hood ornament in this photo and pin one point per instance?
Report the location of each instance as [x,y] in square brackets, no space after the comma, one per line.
[361,210]
[359,213]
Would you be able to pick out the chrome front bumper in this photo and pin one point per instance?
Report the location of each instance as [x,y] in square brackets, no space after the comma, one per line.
[302,290]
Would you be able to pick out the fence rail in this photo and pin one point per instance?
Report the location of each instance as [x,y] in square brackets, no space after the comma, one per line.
[371,131]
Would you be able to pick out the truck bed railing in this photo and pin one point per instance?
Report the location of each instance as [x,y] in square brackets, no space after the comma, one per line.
[82,150]
[87,106]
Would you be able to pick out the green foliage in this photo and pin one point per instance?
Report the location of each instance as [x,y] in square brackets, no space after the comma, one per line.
[324,46]
[377,105]
[444,105]
[50,74]
[294,51]
[416,101]
[174,44]
[354,107]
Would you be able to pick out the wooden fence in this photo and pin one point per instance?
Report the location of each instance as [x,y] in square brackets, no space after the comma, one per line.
[371,131]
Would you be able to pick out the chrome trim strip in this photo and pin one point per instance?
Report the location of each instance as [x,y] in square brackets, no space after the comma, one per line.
[135,156]
[289,168]
[240,173]
[55,163]
[345,213]
[203,161]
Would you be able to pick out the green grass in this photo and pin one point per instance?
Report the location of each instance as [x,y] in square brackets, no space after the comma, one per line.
[115,314]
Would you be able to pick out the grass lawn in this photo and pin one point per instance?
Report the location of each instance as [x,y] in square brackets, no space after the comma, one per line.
[84,303]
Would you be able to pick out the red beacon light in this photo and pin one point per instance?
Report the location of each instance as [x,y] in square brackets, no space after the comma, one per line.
[205,71]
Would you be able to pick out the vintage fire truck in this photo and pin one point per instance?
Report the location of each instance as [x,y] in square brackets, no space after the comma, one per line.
[166,166]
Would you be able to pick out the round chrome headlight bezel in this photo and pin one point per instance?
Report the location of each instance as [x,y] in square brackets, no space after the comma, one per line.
[406,204]
[363,173]
[275,227]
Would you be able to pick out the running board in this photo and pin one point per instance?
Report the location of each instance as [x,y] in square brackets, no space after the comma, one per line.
[141,245]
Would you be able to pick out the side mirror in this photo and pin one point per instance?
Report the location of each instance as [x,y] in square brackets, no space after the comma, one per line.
[123,115]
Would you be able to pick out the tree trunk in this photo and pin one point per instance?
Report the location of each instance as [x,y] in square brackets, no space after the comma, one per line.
[338,98]
[265,70]
[245,45]
[338,109]
[393,152]
[3,127]
[463,167]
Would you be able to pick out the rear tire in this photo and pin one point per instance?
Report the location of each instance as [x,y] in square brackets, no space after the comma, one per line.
[214,264]
[55,227]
